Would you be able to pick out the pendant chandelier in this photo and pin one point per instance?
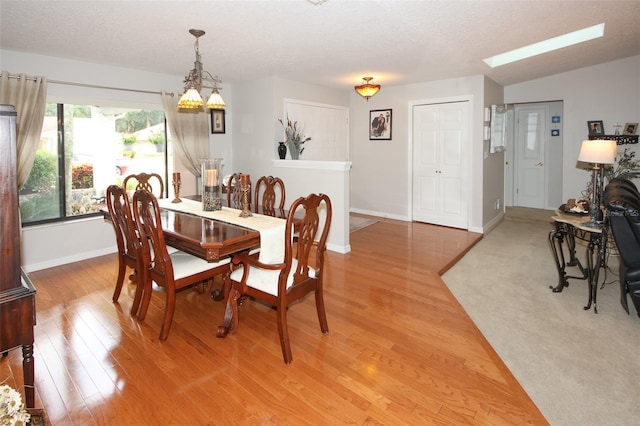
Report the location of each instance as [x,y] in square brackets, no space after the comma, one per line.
[199,79]
[367,90]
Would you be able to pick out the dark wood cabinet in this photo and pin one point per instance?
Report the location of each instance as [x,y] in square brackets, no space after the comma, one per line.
[17,294]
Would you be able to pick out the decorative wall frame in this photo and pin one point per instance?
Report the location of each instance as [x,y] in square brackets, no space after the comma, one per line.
[596,127]
[380,124]
[217,121]
[630,129]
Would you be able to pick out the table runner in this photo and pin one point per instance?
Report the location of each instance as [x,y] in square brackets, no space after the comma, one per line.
[271,228]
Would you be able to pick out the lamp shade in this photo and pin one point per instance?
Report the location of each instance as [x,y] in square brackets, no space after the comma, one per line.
[367,89]
[190,99]
[598,151]
[215,101]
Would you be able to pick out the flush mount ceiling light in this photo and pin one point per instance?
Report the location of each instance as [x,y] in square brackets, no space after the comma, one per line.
[367,90]
[199,79]
[545,46]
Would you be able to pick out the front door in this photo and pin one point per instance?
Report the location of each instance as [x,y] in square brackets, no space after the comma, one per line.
[531,129]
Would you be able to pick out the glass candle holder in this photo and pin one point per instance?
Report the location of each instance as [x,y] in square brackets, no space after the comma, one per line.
[210,177]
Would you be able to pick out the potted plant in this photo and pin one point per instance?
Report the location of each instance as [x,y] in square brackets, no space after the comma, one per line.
[157,139]
[128,139]
[294,139]
[625,166]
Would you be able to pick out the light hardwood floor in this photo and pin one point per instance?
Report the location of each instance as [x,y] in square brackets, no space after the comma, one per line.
[401,350]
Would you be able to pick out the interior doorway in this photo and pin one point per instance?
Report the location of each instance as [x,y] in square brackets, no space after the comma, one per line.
[533,172]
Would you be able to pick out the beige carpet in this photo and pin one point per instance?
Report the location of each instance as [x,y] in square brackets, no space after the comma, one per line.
[580,368]
[356,223]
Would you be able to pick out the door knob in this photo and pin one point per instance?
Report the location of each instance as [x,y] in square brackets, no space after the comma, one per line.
[540,164]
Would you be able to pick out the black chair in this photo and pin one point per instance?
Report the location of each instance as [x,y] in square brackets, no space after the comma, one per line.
[622,200]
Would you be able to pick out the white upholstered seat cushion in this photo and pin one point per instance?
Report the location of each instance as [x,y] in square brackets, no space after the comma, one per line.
[185,264]
[267,280]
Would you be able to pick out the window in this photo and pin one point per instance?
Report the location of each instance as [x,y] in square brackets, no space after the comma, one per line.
[83,149]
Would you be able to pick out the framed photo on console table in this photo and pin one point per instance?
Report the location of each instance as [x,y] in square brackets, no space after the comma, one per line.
[217,121]
[380,124]
[630,129]
[595,127]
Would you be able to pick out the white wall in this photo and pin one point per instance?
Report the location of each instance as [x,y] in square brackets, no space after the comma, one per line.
[381,168]
[258,106]
[492,165]
[609,92]
[379,179]
[50,245]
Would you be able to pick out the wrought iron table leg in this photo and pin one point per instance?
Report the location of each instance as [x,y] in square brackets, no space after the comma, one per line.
[594,249]
[555,238]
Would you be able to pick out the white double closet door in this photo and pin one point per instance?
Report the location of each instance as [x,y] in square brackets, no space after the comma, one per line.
[440,164]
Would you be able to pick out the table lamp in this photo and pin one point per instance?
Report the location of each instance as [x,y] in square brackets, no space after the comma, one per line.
[599,153]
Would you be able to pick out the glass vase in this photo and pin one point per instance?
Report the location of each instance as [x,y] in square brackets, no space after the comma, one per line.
[210,180]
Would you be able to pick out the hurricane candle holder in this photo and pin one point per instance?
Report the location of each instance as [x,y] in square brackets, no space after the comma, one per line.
[176,188]
[210,176]
[245,187]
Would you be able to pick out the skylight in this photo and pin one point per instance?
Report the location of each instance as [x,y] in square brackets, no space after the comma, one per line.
[545,46]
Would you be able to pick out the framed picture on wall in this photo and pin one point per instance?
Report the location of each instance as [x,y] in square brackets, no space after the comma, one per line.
[380,124]
[595,127]
[217,121]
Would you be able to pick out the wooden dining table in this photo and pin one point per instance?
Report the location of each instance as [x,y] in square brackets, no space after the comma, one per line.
[206,238]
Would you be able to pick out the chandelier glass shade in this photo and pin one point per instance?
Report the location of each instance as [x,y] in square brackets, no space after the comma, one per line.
[199,79]
[367,90]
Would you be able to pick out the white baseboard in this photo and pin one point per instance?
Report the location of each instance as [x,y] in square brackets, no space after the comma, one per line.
[494,222]
[70,259]
[339,249]
[380,214]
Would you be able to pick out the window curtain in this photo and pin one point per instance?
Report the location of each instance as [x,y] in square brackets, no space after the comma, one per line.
[28,95]
[189,132]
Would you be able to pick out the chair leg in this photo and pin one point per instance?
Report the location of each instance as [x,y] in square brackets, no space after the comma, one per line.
[230,324]
[137,297]
[122,269]
[322,315]
[283,332]
[146,288]
[168,313]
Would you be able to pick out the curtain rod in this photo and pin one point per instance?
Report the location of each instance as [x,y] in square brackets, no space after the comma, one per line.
[93,86]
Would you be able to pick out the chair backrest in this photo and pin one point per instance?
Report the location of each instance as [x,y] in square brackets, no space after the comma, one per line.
[265,196]
[152,182]
[623,213]
[154,248]
[311,233]
[127,237]
[234,192]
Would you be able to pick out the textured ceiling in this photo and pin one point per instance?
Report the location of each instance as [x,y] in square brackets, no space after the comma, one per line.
[333,44]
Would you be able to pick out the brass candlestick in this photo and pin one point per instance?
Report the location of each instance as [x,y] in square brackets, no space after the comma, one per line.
[246,212]
[176,191]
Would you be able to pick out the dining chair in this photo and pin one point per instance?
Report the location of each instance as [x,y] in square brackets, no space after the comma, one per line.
[268,190]
[152,182]
[128,242]
[283,284]
[234,192]
[173,271]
